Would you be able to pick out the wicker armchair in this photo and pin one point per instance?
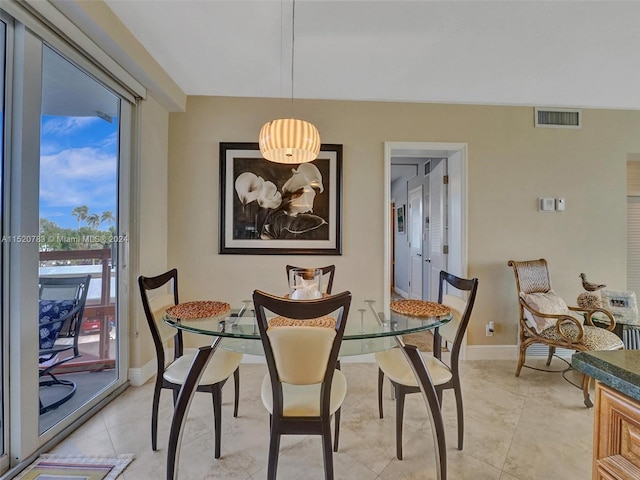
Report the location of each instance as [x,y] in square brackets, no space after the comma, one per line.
[546,319]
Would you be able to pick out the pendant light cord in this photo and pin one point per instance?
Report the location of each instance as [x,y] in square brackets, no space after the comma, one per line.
[293,42]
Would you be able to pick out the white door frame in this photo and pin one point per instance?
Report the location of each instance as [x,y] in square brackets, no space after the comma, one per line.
[457,204]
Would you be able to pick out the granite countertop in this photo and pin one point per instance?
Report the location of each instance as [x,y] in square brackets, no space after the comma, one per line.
[618,369]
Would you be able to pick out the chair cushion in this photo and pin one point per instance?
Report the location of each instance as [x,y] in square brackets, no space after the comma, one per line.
[395,366]
[595,338]
[222,365]
[547,302]
[304,400]
[49,311]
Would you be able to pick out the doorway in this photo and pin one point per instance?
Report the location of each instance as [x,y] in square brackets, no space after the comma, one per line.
[450,204]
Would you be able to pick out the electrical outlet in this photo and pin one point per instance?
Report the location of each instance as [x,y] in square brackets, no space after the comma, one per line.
[490,328]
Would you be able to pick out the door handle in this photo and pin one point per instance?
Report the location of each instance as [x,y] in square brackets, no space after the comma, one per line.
[428,260]
[418,254]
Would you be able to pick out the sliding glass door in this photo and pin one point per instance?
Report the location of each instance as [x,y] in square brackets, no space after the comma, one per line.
[78,234]
[64,212]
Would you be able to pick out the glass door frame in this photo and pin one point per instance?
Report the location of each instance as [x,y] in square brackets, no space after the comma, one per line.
[5,95]
[21,212]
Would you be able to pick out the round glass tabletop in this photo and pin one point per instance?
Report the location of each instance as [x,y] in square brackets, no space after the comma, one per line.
[362,333]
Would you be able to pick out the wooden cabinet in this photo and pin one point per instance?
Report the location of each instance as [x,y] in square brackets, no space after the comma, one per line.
[616,440]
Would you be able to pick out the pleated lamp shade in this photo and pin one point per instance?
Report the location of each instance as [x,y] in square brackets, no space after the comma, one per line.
[289,140]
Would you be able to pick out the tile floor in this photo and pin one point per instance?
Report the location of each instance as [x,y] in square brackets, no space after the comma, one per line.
[530,428]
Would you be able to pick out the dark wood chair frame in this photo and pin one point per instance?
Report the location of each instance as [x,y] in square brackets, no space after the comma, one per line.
[215,389]
[281,425]
[327,272]
[533,276]
[467,285]
[72,323]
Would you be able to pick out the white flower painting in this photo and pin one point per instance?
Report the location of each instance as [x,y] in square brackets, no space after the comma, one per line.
[277,208]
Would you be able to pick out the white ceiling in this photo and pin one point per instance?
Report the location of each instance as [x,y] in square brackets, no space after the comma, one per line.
[546,53]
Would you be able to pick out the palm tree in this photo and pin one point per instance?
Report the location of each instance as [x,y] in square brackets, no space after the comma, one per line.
[93,220]
[80,213]
[107,217]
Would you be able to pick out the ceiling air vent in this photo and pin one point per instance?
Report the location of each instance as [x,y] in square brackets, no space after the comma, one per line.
[558,118]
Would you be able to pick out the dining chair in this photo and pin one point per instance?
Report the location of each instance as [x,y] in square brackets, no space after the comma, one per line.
[302,388]
[545,318]
[327,276]
[171,376]
[328,273]
[60,313]
[445,375]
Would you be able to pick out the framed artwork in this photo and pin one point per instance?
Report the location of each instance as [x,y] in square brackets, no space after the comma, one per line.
[400,219]
[621,304]
[269,208]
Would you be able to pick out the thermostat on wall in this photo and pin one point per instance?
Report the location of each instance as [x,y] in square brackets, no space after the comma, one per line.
[546,204]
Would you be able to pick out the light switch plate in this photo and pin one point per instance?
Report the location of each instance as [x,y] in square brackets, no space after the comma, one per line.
[560,204]
[546,204]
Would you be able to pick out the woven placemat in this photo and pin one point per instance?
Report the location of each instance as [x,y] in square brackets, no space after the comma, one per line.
[198,309]
[326,321]
[419,308]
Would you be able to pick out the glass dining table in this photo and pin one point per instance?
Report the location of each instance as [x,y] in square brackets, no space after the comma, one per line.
[238,331]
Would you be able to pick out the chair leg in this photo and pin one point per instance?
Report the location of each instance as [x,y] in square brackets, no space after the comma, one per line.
[326,449]
[399,419]
[439,396]
[380,387]
[274,450]
[337,429]
[521,357]
[552,351]
[236,384]
[586,381]
[459,410]
[216,394]
[154,416]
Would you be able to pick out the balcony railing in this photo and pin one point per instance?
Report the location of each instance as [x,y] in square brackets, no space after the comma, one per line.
[100,310]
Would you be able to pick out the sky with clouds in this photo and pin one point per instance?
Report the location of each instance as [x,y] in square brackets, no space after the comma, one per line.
[78,166]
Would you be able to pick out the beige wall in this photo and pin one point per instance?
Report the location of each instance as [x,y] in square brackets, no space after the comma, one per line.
[510,165]
[149,199]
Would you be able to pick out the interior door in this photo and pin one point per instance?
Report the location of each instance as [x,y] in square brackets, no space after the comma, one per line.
[426,264]
[437,226]
[415,243]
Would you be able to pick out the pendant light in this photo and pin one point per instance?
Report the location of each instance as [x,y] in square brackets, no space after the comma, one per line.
[290,140]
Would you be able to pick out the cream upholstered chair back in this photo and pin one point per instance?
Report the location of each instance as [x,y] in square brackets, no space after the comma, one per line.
[159,304]
[457,306]
[301,354]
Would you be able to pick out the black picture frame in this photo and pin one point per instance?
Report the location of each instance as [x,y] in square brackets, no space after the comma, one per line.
[269,208]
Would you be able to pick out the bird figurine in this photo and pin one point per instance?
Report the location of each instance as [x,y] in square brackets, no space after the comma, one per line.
[588,286]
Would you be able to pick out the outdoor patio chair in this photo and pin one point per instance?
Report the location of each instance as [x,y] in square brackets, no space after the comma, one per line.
[60,311]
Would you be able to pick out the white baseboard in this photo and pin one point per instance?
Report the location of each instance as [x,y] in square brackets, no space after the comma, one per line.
[510,352]
[141,375]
